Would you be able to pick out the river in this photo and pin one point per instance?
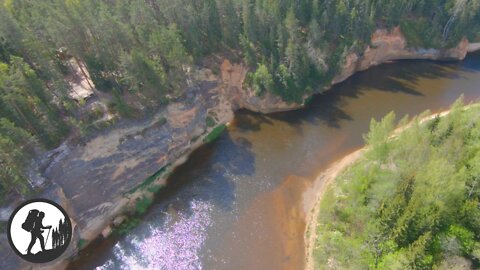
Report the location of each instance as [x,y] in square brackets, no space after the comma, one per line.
[238,203]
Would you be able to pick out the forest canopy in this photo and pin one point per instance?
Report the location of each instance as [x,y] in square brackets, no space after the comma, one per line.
[142,50]
[412,201]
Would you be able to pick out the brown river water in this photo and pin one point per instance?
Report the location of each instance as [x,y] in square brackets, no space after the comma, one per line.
[237,203]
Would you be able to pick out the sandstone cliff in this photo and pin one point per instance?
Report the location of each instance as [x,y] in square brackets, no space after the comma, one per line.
[392,45]
[121,158]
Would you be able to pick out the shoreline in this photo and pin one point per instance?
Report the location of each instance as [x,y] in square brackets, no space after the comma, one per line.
[88,229]
[325,179]
[242,102]
[328,176]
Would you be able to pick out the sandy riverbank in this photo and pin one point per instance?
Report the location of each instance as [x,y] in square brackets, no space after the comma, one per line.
[121,159]
[327,177]
[324,180]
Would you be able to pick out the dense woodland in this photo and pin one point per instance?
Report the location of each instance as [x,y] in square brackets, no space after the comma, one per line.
[142,50]
[412,202]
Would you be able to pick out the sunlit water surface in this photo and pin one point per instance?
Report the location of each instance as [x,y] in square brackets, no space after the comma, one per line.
[236,204]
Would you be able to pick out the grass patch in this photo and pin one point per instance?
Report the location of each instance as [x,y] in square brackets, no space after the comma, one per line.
[215,133]
[155,188]
[126,226]
[148,181]
[210,121]
[81,243]
[194,139]
[162,121]
[142,204]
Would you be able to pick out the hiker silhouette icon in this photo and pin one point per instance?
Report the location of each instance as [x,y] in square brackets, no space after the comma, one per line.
[39,230]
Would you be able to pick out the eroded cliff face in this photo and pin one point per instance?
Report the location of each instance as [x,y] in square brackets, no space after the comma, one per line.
[98,181]
[392,45]
[473,47]
[232,77]
[385,46]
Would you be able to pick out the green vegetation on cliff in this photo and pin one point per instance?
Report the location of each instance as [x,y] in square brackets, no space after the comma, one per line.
[139,52]
[412,201]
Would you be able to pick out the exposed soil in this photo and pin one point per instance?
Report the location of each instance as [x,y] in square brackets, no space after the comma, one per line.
[322,182]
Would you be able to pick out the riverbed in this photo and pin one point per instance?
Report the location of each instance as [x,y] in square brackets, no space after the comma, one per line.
[238,203]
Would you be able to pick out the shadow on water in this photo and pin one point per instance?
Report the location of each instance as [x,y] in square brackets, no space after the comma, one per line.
[206,174]
[471,63]
[211,171]
[326,108]
[205,177]
[247,121]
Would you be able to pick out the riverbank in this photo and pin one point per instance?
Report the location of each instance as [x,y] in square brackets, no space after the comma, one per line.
[121,159]
[327,178]
[323,182]
[235,173]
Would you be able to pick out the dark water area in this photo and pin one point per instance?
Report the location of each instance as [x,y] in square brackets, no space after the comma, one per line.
[237,202]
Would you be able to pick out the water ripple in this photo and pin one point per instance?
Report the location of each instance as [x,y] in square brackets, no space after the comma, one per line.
[176,246]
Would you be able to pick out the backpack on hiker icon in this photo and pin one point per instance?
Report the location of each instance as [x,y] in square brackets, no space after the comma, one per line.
[30,220]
